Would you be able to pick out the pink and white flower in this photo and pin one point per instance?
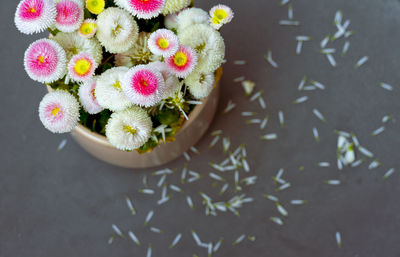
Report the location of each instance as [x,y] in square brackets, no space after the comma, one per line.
[183,62]
[69,15]
[81,67]
[163,42]
[87,97]
[144,85]
[88,28]
[35,16]
[143,9]
[59,111]
[45,61]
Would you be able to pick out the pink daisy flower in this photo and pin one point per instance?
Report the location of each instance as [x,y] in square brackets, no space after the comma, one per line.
[45,61]
[35,16]
[69,15]
[82,67]
[59,111]
[87,97]
[183,62]
[144,85]
[163,42]
[145,9]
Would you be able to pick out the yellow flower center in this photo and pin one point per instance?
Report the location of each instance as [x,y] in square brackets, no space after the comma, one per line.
[163,43]
[82,67]
[32,10]
[129,130]
[116,30]
[180,59]
[117,85]
[95,6]
[144,83]
[55,111]
[219,15]
[87,28]
[41,59]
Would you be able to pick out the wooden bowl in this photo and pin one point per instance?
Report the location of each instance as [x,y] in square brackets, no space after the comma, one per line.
[190,133]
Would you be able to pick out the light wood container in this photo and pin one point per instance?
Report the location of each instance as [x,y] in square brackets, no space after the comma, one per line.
[190,133]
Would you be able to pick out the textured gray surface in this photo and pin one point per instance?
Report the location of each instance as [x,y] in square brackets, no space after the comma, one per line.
[63,203]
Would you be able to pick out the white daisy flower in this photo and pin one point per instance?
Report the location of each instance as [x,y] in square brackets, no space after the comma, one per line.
[191,16]
[142,9]
[129,129]
[171,81]
[45,61]
[200,85]
[108,90]
[144,85]
[69,15]
[209,45]
[139,53]
[73,44]
[35,16]
[59,111]
[163,42]
[220,15]
[117,30]
[87,97]
[173,6]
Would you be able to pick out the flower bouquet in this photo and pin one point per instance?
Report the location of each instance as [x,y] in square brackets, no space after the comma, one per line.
[129,70]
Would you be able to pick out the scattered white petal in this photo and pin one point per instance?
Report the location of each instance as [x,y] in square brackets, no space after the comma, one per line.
[277,220]
[134,238]
[324,164]
[378,131]
[346,47]
[319,115]
[386,118]
[270,60]
[362,61]
[374,164]
[365,151]
[316,134]
[148,217]
[156,230]
[176,240]
[281,210]
[339,239]
[117,230]
[271,136]
[229,107]
[289,23]
[386,86]
[239,239]
[388,173]
[333,182]
[300,100]
[281,118]
[298,202]
[130,206]
[331,60]
[62,145]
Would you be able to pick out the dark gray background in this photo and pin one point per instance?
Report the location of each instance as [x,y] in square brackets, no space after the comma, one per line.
[63,203]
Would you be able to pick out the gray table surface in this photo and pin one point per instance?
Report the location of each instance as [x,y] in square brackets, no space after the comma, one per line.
[63,203]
